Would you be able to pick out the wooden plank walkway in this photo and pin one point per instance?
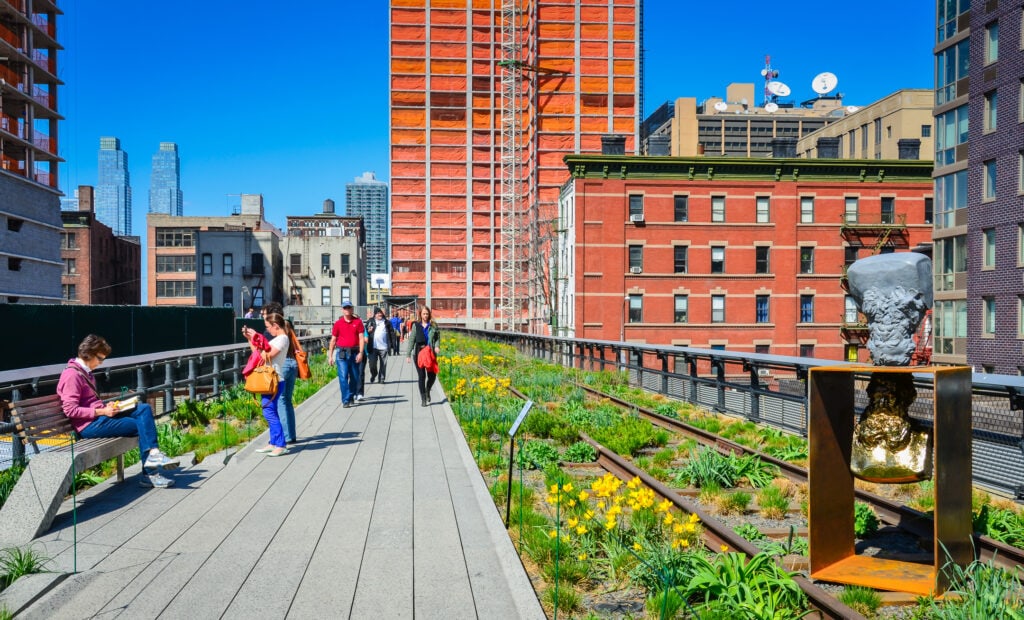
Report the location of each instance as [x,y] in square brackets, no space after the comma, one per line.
[378,512]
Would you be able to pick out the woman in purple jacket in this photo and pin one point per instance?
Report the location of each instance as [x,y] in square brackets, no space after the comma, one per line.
[91,417]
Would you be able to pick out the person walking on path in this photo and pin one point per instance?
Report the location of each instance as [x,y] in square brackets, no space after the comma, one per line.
[348,337]
[91,417]
[381,335]
[289,373]
[396,331]
[276,356]
[424,333]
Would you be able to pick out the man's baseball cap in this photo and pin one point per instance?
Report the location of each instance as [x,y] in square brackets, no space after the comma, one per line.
[346,304]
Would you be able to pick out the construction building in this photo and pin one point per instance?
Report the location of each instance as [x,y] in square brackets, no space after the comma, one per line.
[486,99]
[214,261]
[325,265]
[744,254]
[30,224]
[99,266]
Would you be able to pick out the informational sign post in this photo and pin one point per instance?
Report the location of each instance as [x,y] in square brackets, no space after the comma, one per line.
[511,454]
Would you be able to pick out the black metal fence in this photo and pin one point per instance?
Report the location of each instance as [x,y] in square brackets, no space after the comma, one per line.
[771,389]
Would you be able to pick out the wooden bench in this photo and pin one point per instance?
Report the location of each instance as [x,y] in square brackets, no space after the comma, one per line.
[33,503]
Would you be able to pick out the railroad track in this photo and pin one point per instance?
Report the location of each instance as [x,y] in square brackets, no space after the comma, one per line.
[891,512]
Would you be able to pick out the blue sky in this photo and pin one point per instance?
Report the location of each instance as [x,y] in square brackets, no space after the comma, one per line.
[292,104]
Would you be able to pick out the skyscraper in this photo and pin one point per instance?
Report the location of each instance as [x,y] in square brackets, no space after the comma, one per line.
[114,191]
[368,197]
[165,184]
[486,99]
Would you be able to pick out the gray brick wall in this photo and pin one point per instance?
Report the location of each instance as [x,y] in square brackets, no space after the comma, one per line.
[37,279]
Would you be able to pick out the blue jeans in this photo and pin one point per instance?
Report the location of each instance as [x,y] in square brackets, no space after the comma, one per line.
[269,402]
[348,374]
[285,408]
[136,423]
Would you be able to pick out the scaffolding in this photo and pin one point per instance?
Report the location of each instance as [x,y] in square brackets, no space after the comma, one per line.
[510,302]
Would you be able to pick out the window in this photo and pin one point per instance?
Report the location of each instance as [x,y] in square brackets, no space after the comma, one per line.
[717,259]
[807,308]
[256,262]
[682,308]
[989,180]
[951,65]
[325,295]
[207,296]
[850,255]
[1020,317]
[762,209]
[68,241]
[345,266]
[851,352]
[926,131]
[1020,172]
[864,141]
[761,264]
[950,259]
[761,309]
[806,259]
[852,205]
[257,296]
[992,42]
[853,143]
[175,264]
[680,208]
[807,350]
[636,308]
[988,257]
[175,238]
[950,197]
[296,296]
[718,308]
[176,288]
[69,292]
[14,224]
[1020,102]
[763,349]
[948,12]
[228,262]
[989,321]
[850,310]
[888,210]
[207,264]
[1020,244]
[325,263]
[679,258]
[346,293]
[991,104]
[636,205]
[13,264]
[806,209]
[929,210]
[70,267]
[295,263]
[950,132]
[228,296]
[718,208]
[636,257]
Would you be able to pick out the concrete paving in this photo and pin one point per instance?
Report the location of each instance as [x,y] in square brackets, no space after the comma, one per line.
[378,512]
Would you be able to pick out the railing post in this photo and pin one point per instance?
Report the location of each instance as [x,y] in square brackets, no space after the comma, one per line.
[140,382]
[216,375]
[664,372]
[236,376]
[17,448]
[168,387]
[192,378]
[755,393]
[692,363]
[719,367]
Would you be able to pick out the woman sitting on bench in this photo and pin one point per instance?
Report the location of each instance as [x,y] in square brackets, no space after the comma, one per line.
[92,418]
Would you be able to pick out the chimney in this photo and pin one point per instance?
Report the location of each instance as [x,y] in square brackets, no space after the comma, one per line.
[84,193]
[329,206]
[909,148]
[613,144]
[828,148]
[659,145]
[783,148]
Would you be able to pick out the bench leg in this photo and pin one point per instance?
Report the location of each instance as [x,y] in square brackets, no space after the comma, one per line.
[120,468]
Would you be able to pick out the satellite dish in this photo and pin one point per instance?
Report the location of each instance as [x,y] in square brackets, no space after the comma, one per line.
[721,106]
[824,82]
[778,88]
[744,102]
[771,107]
[850,109]
[764,72]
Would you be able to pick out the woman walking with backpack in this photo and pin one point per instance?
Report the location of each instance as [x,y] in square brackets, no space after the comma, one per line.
[424,333]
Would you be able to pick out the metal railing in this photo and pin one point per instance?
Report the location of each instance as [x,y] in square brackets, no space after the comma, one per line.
[190,374]
[772,390]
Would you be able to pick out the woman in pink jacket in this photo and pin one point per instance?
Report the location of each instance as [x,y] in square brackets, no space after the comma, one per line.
[91,417]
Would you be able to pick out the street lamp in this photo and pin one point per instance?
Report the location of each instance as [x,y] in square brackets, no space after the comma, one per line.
[380,287]
[241,300]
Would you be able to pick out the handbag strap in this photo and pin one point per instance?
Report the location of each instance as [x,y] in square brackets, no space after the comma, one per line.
[295,342]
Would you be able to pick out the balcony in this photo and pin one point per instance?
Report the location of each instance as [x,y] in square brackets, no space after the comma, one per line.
[255,271]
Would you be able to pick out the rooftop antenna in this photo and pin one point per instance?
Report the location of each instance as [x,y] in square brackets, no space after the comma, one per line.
[769,76]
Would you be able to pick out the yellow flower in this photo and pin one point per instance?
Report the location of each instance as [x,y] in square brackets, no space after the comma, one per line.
[552,533]
[554,488]
[725,548]
[684,543]
[600,505]
[677,528]
[567,487]
[693,517]
[572,503]
[634,483]
[582,556]
[610,524]
[669,519]
[691,527]
[581,530]
[588,515]
[572,522]
[637,546]
[583,496]
[665,506]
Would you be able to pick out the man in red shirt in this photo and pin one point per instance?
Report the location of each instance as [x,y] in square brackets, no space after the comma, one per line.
[350,339]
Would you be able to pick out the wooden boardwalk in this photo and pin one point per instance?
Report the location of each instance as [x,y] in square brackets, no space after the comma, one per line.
[378,512]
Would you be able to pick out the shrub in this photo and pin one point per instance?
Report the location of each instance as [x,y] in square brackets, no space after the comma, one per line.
[865,522]
[862,600]
[565,597]
[707,467]
[537,454]
[664,457]
[16,562]
[749,532]
[981,590]
[664,604]
[733,503]
[540,423]
[580,452]
[772,502]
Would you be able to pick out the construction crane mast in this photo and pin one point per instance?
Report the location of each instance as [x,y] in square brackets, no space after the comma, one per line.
[512,245]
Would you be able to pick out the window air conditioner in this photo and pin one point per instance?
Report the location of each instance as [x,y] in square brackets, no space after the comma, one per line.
[636,270]
[636,217]
[763,372]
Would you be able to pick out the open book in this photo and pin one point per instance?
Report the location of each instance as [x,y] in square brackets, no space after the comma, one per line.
[125,405]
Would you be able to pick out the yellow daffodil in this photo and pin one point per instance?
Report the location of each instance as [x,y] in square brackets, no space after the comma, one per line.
[583,496]
[669,519]
[725,548]
[572,522]
[553,533]
[581,529]
[664,506]
[582,557]
[637,546]
[567,487]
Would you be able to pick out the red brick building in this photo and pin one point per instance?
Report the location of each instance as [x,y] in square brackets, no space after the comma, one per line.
[99,266]
[742,254]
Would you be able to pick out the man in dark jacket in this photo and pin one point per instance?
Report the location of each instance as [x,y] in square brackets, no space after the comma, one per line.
[380,335]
